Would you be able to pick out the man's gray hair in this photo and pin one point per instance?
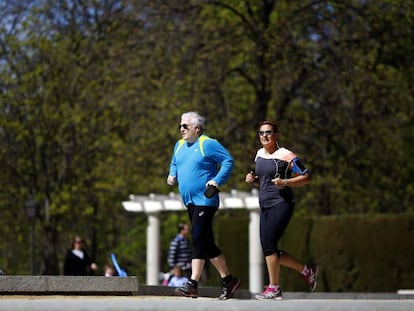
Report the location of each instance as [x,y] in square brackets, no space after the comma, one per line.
[196,119]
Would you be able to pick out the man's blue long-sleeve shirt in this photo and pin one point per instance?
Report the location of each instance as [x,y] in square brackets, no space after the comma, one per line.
[193,168]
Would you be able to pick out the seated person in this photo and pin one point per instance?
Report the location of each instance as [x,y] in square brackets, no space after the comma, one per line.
[177,279]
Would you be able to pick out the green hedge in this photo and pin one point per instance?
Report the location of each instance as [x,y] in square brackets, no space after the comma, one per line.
[356,253]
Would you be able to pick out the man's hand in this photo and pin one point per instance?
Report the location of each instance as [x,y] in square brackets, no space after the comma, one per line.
[213,183]
[171,180]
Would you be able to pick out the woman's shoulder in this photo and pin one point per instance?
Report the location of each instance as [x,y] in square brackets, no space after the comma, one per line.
[281,154]
[260,153]
[285,154]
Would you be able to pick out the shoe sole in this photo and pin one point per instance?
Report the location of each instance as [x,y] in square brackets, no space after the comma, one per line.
[183,294]
[235,288]
[263,299]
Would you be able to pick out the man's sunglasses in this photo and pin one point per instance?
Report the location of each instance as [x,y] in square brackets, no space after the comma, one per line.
[185,126]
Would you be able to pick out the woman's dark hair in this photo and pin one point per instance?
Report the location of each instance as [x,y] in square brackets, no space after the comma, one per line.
[273,124]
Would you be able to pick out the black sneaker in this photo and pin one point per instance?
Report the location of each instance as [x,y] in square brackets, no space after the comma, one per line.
[187,290]
[228,290]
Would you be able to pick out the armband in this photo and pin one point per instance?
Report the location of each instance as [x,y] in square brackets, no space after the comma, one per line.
[298,167]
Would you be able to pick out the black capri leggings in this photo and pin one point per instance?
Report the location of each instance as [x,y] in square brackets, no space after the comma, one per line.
[201,218]
[273,223]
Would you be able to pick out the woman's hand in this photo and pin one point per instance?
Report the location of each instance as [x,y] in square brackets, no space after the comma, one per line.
[250,177]
[279,182]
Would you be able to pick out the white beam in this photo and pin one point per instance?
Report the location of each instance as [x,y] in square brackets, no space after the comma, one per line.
[131,206]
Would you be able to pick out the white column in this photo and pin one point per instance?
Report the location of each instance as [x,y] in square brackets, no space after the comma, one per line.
[153,248]
[255,253]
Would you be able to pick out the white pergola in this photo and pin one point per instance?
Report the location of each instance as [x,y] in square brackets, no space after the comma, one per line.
[153,204]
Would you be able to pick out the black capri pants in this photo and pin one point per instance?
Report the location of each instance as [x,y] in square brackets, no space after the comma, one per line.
[273,223]
[201,218]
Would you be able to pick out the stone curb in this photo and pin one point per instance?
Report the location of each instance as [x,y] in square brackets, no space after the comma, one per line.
[101,285]
[68,285]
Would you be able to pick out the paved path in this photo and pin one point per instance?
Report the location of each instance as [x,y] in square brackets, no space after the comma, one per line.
[168,303]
